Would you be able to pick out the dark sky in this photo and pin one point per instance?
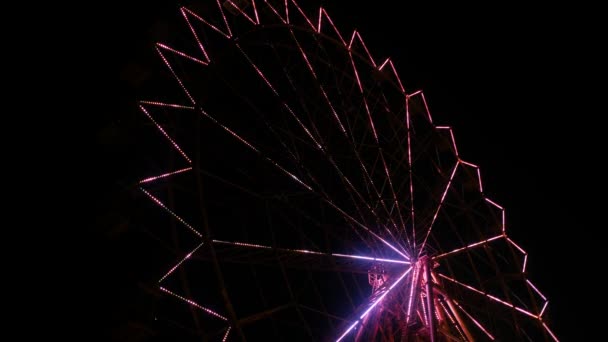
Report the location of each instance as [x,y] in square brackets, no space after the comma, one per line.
[514,82]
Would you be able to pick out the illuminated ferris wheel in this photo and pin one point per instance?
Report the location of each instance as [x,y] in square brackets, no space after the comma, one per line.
[310,196]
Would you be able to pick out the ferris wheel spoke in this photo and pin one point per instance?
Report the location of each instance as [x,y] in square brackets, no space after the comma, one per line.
[467,247]
[477,323]
[366,310]
[179,263]
[248,253]
[318,144]
[489,296]
[305,185]
[194,304]
[309,134]
[409,166]
[177,217]
[225,337]
[164,175]
[166,135]
[367,176]
[447,187]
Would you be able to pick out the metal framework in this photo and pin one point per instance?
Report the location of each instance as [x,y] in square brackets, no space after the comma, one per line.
[309,195]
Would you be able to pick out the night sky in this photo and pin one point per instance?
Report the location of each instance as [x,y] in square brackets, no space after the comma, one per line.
[514,82]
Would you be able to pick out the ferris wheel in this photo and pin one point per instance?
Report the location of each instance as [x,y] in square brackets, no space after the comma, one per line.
[310,196]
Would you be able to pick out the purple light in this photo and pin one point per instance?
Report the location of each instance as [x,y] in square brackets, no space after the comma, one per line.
[409,164]
[373,305]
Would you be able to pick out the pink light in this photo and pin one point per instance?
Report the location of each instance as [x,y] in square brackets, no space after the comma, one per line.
[255,12]
[390,62]
[254,22]
[162,104]
[181,84]
[474,321]
[535,289]
[439,207]
[227,34]
[347,331]
[164,175]
[369,114]
[502,212]
[383,63]
[494,203]
[454,143]
[198,41]
[304,251]
[180,262]
[366,229]
[162,205]
[414,93]
[226,334]
[409,164]
[243,244]
[369,55]
[371,258]
[411,297]
[385,293]
[193,303]
[543,309]
[284,20]
[523,269]
[488,295]
[550,332]
[447,314]
[390,182]
[177,52]
[300,123]
[479,243]
[312,71]
[466,162]
[516,246]
[426,320]
[426,107]
[164,133]
[480,186]
[322,13]
[374,304]
[451,135]
[230,131]
[312,26]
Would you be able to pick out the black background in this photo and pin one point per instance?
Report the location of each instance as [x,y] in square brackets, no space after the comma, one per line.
[519,85]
